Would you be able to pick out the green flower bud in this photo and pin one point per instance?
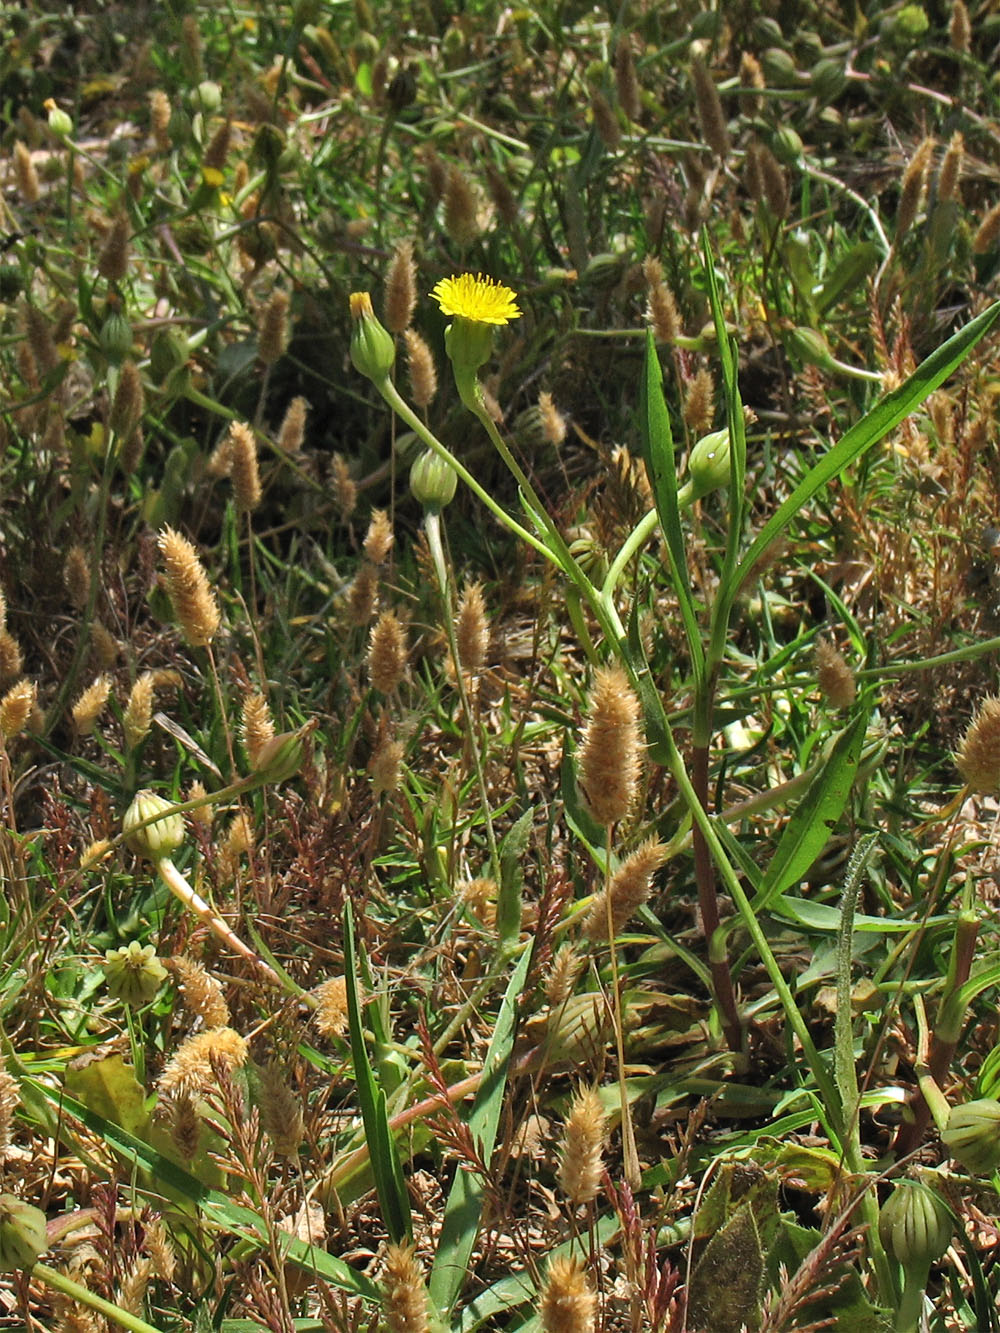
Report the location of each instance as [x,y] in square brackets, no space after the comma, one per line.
[373,350]
[812,348]
[60,122]
[433,481]
[169,352]
[23,1236]
[134,973]
[972,1135]
[159,839]
[116,336]
[708,467]
[281,757]
[914,1224]
[207,97]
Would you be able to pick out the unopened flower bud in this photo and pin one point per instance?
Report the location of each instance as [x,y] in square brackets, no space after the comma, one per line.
[433,480]
[116,336]
[915,1225]
[134,973]
[373,349]
[972,1135]
[812,348]
[60,122]
[708,467]
[280,758]
[156,840]
[23,1236]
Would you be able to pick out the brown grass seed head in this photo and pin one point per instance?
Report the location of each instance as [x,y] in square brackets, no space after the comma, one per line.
[189,1069]
[951,168]
[978,755]
[626,81]
[960,28]
[461,208]
[244,471]
[472,630]
[292,431]
[187,585]
[90,705]
[912,187]
[256,725]
[386,653]
[280,1109]
[379,537]
[272,335]
[29,188]
[628,890]
[200,992]
[129,401]
[400,289]
[567,1303]
[113,260]
[711,116]
[581,1162]
[16,708]
[404,1296]
[137,717]
[385,765]
[833,675]
[609,759]
[420,365]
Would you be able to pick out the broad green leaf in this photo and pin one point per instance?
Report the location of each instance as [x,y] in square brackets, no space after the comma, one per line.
[109,1087]
[512,852]
[465,1202]
[820,916]
[874,426]
[384,1156]
[811,826]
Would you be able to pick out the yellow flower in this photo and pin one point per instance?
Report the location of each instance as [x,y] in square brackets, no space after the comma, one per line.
[481,300]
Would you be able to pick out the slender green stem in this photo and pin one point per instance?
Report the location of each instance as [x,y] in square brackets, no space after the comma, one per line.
[638,537]
[56,1281]
[432,526]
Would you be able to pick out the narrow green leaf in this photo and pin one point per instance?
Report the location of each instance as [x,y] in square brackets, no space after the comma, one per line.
[874,426]
[384,1156]
[811,826]
[658,454]
[852,269]
[512,852]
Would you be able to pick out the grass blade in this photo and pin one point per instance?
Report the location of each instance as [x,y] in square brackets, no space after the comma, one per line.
[465,1202]
[874,426]
[386,1168]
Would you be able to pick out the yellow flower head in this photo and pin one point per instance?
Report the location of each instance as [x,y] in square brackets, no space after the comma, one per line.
[481,300]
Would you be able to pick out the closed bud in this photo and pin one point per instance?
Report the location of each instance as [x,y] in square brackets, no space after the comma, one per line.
[915,1225]
[708,467]
[373,350]
[972,1135]
[280,758]
[60,122]
[23,1235]
[433,481]
[159,839]
[812,348]
[116,336]
[134,973]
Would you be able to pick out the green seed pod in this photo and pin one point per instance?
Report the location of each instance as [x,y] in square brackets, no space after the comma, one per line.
[787,144]
[133,973]
[159,839]
[827,80]
[915,1225]
[972,1135]
[116,336]
[779,67]
[767,31]
[433,481]
[168,352]
[23,1236]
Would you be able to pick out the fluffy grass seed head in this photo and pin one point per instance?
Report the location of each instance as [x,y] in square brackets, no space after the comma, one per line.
[272,335]
[362,598]
[628,890]
[960,28]
[582,1154]
[90,705]
[699,402]
[345,489]
[605,121]
[478,299]
[661,308]
[256,725]
[711,116]
[404,1296]
[608,762]
[401,289]
[159,119]
[385,765]
[280,1109]
[833,676]
[11,657]
[461,208]
[243,469]
[472,630]
[911,187]
[951,167]
[379,537]
[567,1303]
[137,717]
[386,653]
[16,708]
[422,371]
[187,585]
[988,232]
[29,187]
[292,431]
[626,81]
[113,260]
[330,1014]
[978,755]
[128,403]
[200,992]
[189,1069]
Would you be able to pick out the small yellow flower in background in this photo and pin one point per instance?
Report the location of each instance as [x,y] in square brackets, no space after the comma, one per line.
[482,300]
